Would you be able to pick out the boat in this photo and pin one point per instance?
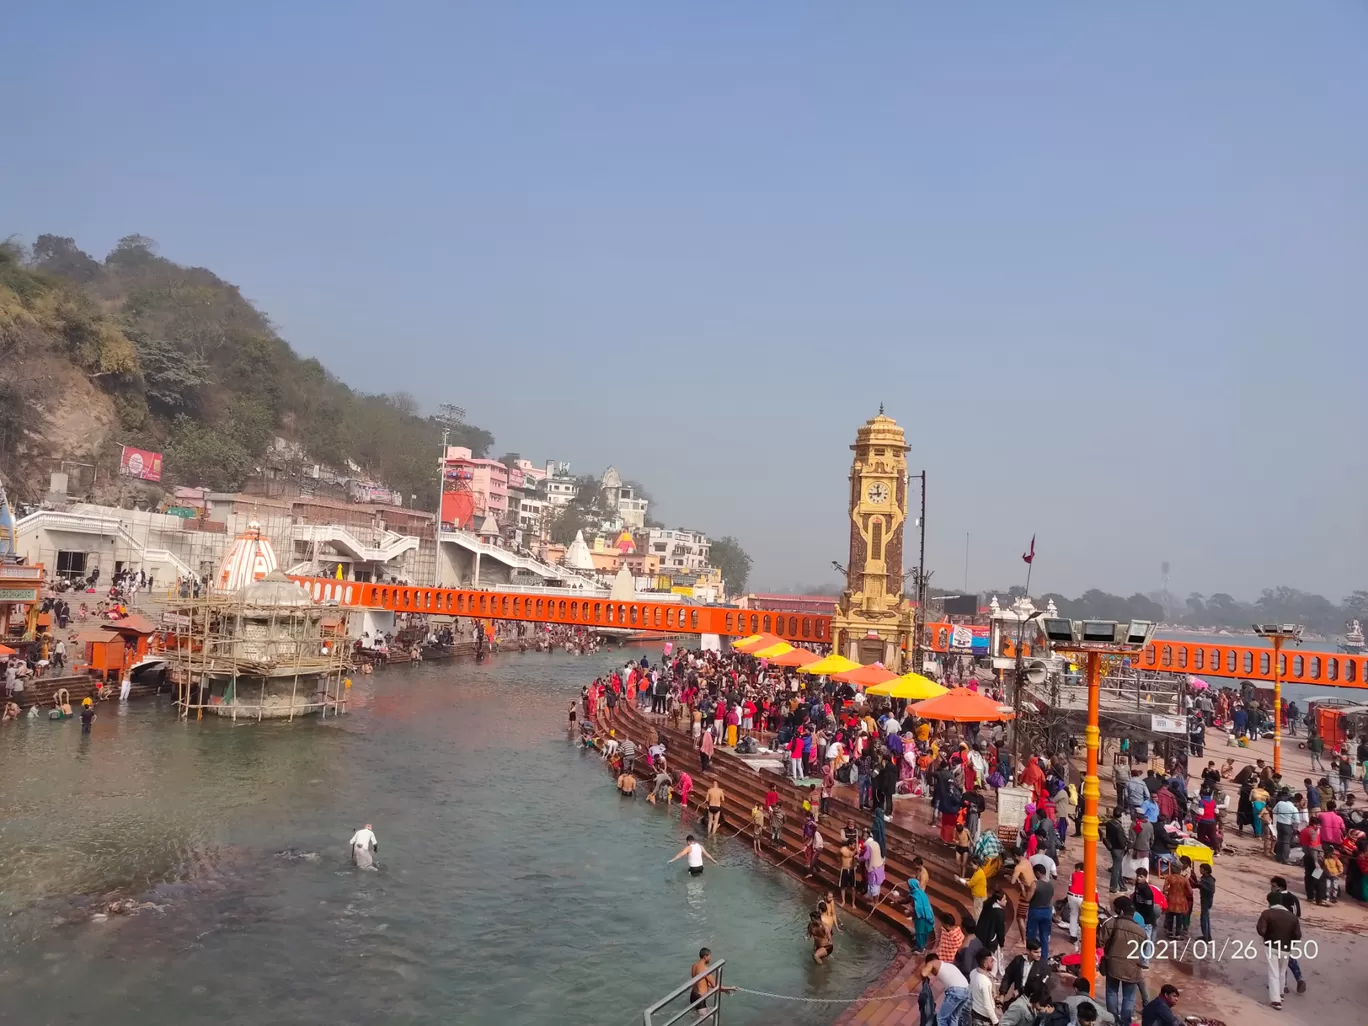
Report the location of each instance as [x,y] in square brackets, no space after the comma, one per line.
[1352,642]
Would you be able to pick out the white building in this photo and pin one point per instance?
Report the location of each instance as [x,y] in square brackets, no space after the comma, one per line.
[531,516]
[560,484]
[679,549]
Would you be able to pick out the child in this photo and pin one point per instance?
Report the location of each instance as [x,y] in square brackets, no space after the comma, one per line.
[1334,874]
[1266,829]
[961,847]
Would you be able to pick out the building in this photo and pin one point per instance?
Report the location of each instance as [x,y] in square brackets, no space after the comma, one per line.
[679,549]
[873,622]
[561,486]
[486,480]
[811,605]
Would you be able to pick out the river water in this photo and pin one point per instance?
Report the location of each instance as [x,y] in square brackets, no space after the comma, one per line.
[514,885]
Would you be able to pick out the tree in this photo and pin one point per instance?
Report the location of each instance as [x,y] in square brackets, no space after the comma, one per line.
[727,555]
[60,256]
[172,378]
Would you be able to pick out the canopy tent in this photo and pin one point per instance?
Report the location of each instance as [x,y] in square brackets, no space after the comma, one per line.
[831,664]
[5,650]
[910,686]
[757,641]
[797,657]
[865,676]
[781,648]
[962,706]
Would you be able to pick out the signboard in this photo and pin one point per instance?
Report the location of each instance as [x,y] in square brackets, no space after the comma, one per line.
[1012,802]
[18,594]
[969,638]
[1168,724]
[516,478]
[140,463]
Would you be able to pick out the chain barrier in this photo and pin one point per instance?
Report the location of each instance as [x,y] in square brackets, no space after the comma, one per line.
[824,1001]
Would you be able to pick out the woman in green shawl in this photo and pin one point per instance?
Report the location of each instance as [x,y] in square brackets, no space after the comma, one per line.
[924,919]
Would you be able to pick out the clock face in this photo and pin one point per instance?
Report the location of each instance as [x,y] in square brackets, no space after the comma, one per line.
[878,492]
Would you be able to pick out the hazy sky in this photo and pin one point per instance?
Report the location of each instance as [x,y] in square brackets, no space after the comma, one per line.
[1106,263]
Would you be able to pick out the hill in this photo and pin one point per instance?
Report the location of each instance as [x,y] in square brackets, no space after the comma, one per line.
[138,350]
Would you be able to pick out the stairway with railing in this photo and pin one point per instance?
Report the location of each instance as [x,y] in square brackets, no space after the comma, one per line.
[104,526]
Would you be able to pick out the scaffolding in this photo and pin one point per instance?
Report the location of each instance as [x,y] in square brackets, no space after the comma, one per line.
[265,651]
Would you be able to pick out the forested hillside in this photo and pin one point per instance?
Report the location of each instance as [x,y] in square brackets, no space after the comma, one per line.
[138,350]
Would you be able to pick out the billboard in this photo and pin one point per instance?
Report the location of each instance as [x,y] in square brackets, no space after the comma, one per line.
[139,463]
[960,605]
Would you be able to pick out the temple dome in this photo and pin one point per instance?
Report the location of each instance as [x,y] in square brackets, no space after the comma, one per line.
[250,559]
[275,589]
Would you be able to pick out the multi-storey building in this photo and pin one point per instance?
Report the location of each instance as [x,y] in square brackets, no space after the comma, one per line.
[679,549]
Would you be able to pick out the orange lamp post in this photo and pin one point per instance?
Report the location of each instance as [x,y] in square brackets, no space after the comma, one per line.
[1279,634]
[1087,639]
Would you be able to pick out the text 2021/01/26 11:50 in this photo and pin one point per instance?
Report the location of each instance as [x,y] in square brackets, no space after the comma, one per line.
[1232,948]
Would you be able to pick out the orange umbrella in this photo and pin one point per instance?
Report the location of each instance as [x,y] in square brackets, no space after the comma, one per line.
[797,657]
[757,642]
[962,706]
[865,675]
[5,650]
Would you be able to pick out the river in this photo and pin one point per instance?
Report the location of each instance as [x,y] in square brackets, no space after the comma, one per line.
[514,885]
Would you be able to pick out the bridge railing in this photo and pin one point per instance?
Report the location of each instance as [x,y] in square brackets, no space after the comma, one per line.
[581,610]
[709,1011]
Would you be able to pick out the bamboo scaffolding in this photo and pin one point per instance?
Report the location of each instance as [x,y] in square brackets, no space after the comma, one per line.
[219,644]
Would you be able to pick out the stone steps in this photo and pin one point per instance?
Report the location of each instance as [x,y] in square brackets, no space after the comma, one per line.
[744,786]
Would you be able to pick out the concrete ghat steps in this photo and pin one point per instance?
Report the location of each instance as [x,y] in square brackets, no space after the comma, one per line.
[40,692]
[745,786]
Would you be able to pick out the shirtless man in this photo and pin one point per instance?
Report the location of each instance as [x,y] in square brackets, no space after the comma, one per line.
[823,947]
[846,887]
[626,785]
[1023,877]
[698,994]
[716,796]
[757,825]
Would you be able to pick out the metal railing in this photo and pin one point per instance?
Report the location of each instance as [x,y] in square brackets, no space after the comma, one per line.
[705,1010]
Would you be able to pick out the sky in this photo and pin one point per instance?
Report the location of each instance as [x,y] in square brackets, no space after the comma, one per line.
[1104,263]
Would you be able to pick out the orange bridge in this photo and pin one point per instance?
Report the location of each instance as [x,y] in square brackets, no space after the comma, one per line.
[1246,662]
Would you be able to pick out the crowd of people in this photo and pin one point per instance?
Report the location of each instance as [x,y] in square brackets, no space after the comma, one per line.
[1162,831]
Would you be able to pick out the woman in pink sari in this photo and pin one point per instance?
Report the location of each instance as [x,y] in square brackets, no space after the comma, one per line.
[684,786]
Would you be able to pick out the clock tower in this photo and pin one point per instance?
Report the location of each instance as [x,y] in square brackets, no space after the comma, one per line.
[873,622]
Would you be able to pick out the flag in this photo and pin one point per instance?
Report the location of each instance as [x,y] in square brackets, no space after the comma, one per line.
[1029,557]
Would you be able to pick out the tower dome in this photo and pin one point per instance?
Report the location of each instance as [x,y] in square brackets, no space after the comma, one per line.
[250,559]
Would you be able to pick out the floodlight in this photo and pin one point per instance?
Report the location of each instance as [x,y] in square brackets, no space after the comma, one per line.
[1099,632]
[1058,630]
[1139,632]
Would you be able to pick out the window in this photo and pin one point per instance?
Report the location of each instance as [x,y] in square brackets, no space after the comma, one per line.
[876,539]
[70,564]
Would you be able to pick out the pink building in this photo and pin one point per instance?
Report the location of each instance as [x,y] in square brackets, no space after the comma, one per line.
[486,479]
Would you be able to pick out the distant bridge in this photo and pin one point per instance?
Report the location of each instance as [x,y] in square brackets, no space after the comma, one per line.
[1242,662]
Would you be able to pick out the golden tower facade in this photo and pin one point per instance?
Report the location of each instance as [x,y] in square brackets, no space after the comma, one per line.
[873,622]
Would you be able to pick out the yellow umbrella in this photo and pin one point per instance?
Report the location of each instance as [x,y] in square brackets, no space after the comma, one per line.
[831,664]
[756,642]
[772,651]
[912,686]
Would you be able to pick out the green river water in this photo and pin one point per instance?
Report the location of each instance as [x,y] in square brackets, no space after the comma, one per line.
[515,886]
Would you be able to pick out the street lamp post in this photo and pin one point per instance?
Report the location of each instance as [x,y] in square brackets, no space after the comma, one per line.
[1094,639]
[1279,634]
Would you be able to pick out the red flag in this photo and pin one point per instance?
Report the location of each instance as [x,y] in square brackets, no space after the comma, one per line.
[1029,557]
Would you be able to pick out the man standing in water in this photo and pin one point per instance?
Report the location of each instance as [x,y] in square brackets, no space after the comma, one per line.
[698,995]
[363,844]
[696,853]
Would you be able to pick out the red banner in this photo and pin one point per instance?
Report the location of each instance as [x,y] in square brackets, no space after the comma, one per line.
[139,463]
